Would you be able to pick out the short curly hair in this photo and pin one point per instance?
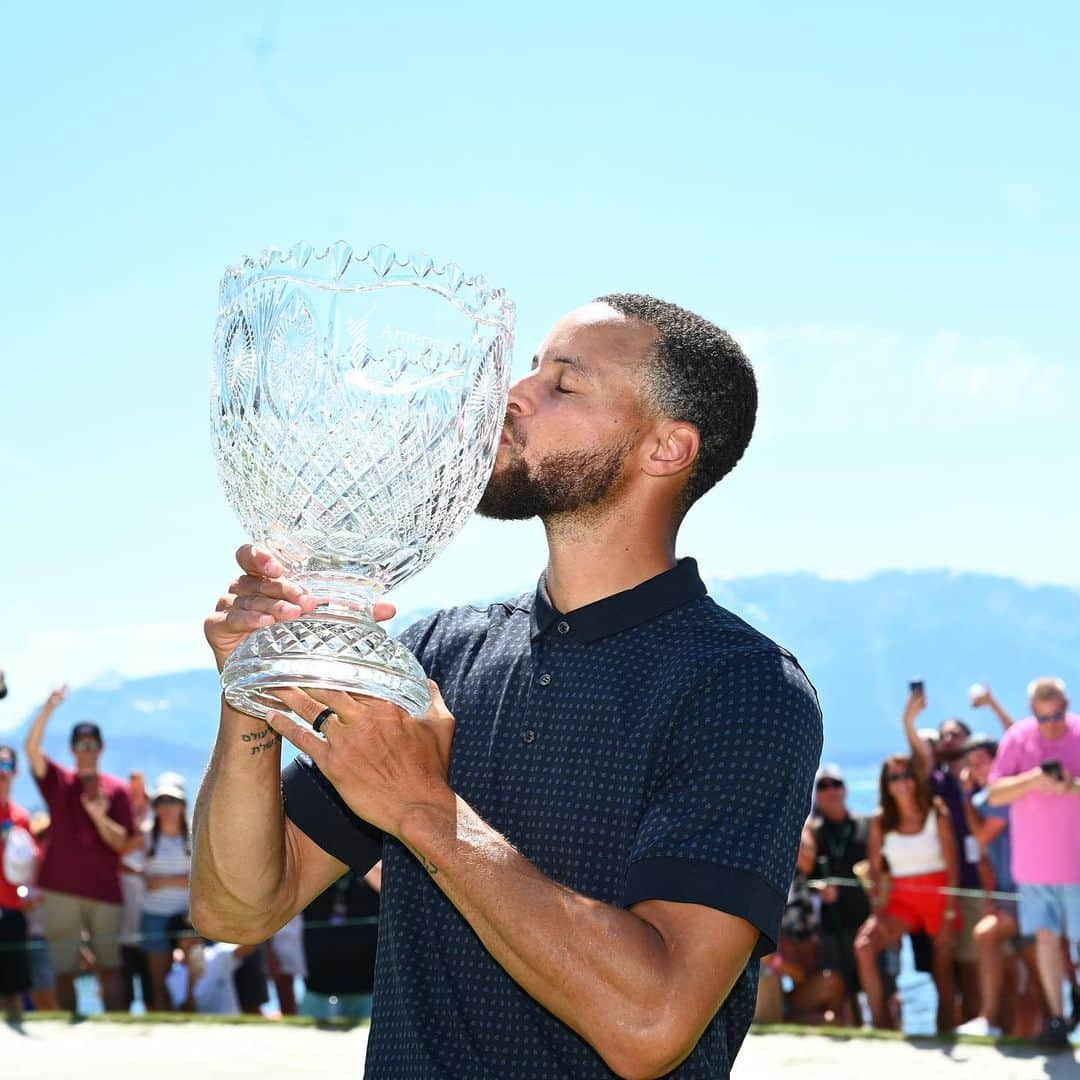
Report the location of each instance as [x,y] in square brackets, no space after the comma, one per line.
[699,374]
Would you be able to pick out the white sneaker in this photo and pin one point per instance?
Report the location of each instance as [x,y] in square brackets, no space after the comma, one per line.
[979,1026]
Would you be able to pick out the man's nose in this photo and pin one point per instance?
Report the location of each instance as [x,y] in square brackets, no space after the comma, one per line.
[520,401]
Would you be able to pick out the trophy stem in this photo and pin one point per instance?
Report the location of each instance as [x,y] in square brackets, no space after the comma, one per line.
[344,596]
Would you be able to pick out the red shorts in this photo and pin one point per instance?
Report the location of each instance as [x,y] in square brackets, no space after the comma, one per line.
[919,901]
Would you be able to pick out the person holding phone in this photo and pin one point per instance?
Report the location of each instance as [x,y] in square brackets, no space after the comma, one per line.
[941,761]
[92,827]
[1035,775]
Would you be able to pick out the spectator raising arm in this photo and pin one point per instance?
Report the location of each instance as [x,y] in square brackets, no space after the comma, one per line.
[36,735]
[921,751]
[986,698]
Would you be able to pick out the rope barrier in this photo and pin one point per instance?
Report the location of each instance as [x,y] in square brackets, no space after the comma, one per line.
[949,890]
[373,920]
[131,939]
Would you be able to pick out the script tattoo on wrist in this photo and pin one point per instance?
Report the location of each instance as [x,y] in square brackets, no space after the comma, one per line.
[258,740]
[429,866]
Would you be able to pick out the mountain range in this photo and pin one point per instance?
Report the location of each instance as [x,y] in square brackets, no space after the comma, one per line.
[859,641]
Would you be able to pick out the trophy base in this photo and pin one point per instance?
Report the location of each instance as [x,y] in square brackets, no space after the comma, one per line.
[328,653]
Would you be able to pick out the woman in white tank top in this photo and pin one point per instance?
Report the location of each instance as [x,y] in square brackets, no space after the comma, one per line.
[910,834]
[166,871]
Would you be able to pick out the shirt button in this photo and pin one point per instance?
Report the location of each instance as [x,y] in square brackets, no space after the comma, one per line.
[528,736]
[563,627]
[545,679]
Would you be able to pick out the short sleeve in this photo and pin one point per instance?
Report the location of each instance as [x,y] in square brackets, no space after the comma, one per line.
[733,790]
[1007,760]
[50,784]
[981,801]
[313,805]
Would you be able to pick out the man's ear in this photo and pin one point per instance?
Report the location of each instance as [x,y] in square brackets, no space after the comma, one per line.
[674,448]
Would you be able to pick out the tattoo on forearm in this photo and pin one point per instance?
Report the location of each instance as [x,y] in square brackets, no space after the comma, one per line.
[268,745]
[429,866]
[255,736]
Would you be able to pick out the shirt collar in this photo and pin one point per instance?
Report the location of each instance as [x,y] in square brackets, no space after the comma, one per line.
[621,611]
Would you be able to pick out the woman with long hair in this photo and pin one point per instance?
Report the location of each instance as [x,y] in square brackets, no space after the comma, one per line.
[167,871]
[911,833]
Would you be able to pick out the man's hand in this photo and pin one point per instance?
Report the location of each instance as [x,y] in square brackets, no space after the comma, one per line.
[96,805]
[1051,785]
[382,761]
[984,698]
[56,698]
[260,597]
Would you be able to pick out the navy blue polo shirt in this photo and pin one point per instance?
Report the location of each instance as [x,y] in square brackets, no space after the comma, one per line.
[651,745]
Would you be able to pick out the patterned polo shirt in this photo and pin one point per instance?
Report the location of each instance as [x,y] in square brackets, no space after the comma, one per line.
[651,745]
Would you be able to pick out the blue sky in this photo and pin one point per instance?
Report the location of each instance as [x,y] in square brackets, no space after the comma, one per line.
[880,204]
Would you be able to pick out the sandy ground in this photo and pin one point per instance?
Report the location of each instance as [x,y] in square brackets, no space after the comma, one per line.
[46,1049]
[804,1056]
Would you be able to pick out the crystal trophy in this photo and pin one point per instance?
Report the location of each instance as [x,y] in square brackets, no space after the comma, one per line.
[358,398]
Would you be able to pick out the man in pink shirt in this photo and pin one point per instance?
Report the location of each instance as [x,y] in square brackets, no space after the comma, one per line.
[92,827]
[1035,774]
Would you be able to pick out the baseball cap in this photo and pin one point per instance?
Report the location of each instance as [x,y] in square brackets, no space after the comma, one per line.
[169,784]
[829,771]
[86,730]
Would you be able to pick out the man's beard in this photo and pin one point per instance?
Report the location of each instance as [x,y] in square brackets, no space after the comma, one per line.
[559,484]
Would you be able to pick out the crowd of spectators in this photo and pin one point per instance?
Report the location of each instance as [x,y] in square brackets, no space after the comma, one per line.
[973,854]
[97,885]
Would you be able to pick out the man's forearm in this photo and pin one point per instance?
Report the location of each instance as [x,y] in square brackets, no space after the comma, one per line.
[1008,789]
[34,739]
[112,832]
[238,834]
[600,969]
[1002,713]
[920,749]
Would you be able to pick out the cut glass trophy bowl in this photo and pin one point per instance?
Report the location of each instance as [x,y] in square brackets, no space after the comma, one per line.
[358,400]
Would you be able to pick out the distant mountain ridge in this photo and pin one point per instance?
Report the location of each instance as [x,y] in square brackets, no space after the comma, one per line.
[859,641]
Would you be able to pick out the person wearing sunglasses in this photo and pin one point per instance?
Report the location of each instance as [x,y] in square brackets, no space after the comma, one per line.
[166,874]
[92,827]
[910,832]
[833,842]
[1035,775]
